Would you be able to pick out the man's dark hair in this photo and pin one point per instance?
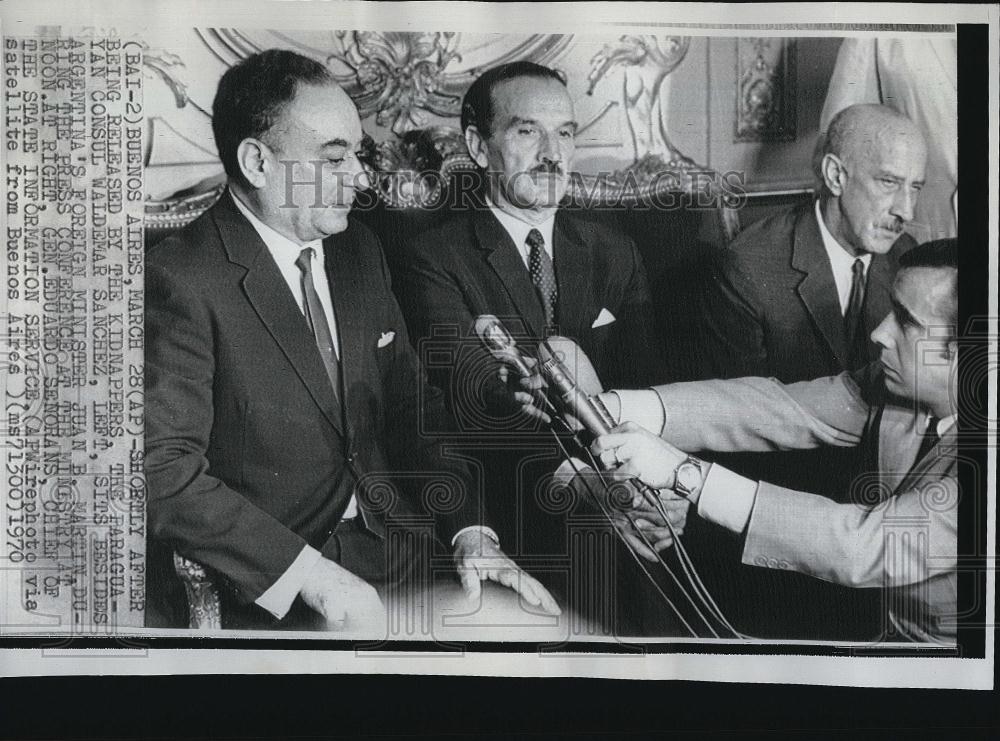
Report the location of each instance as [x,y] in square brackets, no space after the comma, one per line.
[477,105]
[941,253]
[252,95]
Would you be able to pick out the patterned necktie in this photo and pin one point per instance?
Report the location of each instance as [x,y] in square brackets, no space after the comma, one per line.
[316,319]
[542,275]
[854,329]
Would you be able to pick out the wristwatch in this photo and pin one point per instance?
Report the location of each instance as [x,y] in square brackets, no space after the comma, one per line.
[688,477]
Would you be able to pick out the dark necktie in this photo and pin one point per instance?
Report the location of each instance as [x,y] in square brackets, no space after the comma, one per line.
[929,440]
[542,275]
[854,325]
[316,318]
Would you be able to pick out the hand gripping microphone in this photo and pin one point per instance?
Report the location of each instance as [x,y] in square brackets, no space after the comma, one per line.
[500,344]
[578,397]
[555,354]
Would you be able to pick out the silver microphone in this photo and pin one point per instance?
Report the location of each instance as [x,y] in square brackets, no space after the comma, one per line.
[589,411]
[500,344]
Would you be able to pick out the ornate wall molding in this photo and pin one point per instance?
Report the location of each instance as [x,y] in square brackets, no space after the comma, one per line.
[412,83]
[399,77]
[765,90]
[645,96]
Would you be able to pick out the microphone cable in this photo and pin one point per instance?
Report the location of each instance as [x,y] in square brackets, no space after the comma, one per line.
[598,500]
[683,557]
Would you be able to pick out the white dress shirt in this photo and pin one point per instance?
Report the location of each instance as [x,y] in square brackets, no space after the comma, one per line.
[841,261]
[944,424]
[518,231]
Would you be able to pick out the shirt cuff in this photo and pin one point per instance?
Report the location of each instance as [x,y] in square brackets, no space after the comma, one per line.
[487,531]
[642,406]
[727,498]
[279,597]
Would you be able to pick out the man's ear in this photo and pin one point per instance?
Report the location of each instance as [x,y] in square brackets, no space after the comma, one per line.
[475,142]
[251,156]
[834,174]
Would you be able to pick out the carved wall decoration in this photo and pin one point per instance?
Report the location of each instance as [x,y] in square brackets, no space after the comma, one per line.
[765,95]
[411,172]
[648,62]
[399,77]
[408,88]
[165,64]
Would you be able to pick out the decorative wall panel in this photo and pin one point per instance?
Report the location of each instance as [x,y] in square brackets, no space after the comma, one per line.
[647,105]
[765,90]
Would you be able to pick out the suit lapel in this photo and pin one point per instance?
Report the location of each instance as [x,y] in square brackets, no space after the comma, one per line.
[270,298]
[818,290]
[572,259]
[881,272]
[505,260]
[350,313]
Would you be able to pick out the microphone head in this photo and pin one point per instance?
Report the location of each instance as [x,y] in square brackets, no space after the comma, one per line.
[493,334]
[498,341]
[575,361]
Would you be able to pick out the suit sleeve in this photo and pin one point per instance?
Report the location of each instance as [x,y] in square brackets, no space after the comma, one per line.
[733,343]
[429,296]
[417,408]
[200,516]
[905,540]
[761,414]
[436,310]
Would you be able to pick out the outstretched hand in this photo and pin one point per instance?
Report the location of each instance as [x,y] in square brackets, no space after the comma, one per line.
[478,558]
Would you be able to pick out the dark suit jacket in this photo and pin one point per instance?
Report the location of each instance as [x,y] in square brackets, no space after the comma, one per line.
[772,308]
[469,266]
[247,455]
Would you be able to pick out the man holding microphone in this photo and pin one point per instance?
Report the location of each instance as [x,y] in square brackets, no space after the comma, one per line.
[898,529]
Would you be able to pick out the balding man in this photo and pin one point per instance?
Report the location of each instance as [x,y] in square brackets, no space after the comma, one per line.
[797,295]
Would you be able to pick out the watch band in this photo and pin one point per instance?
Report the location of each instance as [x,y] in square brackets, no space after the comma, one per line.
[681,485]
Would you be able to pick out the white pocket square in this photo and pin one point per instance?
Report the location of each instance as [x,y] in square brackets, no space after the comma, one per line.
[605,317]
[386,338]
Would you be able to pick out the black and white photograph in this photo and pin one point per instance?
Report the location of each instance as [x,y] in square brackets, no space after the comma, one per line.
[651,346]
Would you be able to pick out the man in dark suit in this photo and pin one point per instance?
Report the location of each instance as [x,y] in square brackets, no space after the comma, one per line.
[514,253]
[796,297]
[283,396]
[797,294]
[899,534]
